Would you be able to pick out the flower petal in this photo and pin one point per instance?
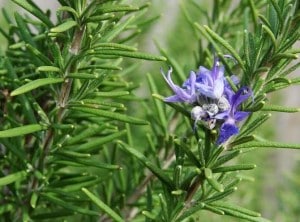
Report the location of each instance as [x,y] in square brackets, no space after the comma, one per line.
[173,99]
[218,88]
[229,93]
[205,90]
[217,70]
[241,95]
[204,76]
[235,79]
[181,95]
[190,82]
[240,115]
[169,79]
[223,115]
[227,130]
[203,70]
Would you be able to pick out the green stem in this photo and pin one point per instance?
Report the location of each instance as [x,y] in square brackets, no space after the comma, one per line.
[62,101]
[207,149]
[191,193]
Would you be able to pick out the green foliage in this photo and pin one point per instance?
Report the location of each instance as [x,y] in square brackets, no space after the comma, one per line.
[77,144]
[65,108]
[257,60]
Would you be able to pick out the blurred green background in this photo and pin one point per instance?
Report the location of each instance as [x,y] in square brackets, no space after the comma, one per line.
[275,192]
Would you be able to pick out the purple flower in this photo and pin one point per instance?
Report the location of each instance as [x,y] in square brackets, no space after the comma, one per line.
[207,83]
[233,115]
[186,94]
[210,83]
[213,101]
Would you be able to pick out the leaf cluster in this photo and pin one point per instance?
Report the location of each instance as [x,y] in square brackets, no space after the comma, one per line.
[63,106]
[262,46]
[74,141]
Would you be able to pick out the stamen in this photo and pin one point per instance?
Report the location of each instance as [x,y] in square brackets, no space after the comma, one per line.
[212,109]
[197,113]
[223,104]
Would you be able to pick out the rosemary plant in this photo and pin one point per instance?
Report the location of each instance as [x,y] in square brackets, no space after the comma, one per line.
[77,143]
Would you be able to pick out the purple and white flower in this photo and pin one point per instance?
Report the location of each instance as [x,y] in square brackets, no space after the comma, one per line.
[213,100]
[186,94]
[232,116]
[210,83]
